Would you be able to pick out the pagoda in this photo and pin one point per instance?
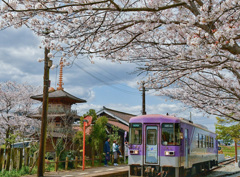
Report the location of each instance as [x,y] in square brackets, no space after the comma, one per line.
[60,115]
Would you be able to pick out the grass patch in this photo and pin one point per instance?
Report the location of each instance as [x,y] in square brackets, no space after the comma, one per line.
[17,173]
[229,150]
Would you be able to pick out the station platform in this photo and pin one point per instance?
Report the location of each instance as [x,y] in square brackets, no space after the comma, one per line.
[110,171]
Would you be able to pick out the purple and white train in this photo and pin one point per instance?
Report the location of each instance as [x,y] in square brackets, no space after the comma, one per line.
[162,145]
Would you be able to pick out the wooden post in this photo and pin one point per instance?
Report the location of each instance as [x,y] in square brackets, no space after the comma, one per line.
[112,158]
[34,157]
[83,162]
[26,156]
[80,160]
[236,160]
[42,145]
[1,158]
[20,158]
[66,163]
[56,164]
[76,162]
[100,160]
[8,153]
[143,100]
[118,160]
[14,158]
[93,156]
[30,161]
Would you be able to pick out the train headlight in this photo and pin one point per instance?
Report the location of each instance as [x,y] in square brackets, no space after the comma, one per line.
[169,153]
[133,151]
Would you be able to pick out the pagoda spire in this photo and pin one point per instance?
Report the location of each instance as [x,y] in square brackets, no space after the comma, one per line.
[60,83]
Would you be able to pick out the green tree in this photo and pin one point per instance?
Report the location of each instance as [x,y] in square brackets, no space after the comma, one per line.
[78,141]
[97,133]
[114,135]
[228,129]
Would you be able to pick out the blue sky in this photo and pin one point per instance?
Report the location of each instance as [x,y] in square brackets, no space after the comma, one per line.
[104,83]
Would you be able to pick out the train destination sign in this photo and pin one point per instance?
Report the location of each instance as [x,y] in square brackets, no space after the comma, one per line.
[136,125]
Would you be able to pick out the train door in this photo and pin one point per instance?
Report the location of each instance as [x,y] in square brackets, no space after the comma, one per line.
[186,139]
[152,144]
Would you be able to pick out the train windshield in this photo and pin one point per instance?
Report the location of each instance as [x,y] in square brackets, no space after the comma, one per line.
[170,134]
[135,133]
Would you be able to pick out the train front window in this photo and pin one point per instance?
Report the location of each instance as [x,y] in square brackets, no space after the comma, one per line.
[170,134]
[135,133]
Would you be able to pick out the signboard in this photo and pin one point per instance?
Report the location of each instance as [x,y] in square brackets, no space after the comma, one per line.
[88,120]
[151,154]
[136,125]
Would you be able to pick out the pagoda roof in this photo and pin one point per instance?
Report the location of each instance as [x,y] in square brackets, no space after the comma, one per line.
[61,96]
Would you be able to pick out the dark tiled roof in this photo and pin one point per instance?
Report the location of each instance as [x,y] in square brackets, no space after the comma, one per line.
[61,96]
[119,125]
[121,116]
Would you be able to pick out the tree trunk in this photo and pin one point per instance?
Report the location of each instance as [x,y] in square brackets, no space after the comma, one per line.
[1,158]
[8,158]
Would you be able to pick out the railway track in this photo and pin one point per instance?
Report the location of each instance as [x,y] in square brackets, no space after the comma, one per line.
[220,165]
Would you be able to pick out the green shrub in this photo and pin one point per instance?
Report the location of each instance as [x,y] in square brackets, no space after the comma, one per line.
[17,173]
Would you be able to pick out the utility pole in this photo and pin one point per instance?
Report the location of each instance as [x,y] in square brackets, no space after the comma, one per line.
[42,146]
[143,99]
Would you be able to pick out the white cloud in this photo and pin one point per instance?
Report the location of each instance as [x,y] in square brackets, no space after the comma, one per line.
[82,108]
[23,54]
[81,92]
[8,69]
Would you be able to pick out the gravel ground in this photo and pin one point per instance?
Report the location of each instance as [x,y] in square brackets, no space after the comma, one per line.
[230,170]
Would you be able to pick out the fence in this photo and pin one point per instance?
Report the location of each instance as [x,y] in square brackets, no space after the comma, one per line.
[78,162]
[15,158]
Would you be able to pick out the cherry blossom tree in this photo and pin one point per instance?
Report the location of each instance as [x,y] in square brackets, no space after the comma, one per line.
[188,48]
[15,105]
[60,131]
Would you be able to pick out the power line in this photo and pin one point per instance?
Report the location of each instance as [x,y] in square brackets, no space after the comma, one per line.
[110,74]
[104,82]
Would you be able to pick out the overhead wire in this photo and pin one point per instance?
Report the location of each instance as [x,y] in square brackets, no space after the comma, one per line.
[102,81]
[114,77]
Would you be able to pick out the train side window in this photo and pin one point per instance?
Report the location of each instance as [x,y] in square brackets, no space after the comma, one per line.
[197,141]
[201,141]
[170,134]
[207,141]
[204,141]
[135,133]
[212,142]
